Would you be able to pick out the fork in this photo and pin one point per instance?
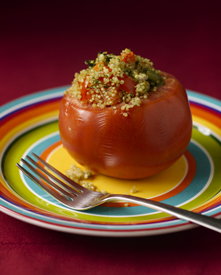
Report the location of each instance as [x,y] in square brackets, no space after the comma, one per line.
[76,197]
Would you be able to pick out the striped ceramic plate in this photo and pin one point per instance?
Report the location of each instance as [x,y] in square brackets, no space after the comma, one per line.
[30,124]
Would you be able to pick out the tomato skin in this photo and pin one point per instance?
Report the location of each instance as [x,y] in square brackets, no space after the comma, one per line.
[150,139]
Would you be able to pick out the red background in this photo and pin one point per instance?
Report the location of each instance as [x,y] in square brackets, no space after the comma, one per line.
[42,45]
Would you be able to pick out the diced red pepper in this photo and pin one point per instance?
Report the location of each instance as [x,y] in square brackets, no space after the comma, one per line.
[128,57]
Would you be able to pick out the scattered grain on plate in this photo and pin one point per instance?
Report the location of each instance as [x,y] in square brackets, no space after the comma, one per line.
[81,177]
[133,190]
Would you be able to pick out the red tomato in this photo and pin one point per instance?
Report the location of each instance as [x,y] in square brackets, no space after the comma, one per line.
[129,85]
[150,139]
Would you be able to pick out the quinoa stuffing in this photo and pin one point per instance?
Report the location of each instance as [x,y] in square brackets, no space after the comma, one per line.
[81,177]
[113,79]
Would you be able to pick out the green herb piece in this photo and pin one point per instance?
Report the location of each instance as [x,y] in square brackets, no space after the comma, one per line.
[160,83]
[90,63]
[153,76]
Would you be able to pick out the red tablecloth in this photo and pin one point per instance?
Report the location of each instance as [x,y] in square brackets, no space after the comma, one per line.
[42,45]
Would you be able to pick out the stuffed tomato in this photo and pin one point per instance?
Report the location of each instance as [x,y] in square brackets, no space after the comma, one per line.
[124,119]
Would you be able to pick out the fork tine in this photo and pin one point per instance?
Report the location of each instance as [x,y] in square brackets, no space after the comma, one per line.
[60,196]
[70,182]
[46,179]
[57,180]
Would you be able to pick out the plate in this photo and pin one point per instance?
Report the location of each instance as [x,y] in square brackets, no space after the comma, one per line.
[30,124]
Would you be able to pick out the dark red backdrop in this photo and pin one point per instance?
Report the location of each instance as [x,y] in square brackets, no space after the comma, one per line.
[42,45]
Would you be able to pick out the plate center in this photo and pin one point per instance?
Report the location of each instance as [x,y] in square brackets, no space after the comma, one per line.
[158,187]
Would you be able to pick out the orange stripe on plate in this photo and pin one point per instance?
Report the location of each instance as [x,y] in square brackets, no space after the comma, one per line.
[27,115]
[206,115]
[215,201]
[186,181]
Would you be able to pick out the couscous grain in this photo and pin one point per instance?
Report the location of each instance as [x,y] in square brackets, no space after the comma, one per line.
[103,83]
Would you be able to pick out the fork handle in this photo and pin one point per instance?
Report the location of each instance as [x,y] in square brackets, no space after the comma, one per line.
[197,218]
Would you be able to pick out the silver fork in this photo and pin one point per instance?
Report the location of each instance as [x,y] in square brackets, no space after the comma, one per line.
[77,197]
